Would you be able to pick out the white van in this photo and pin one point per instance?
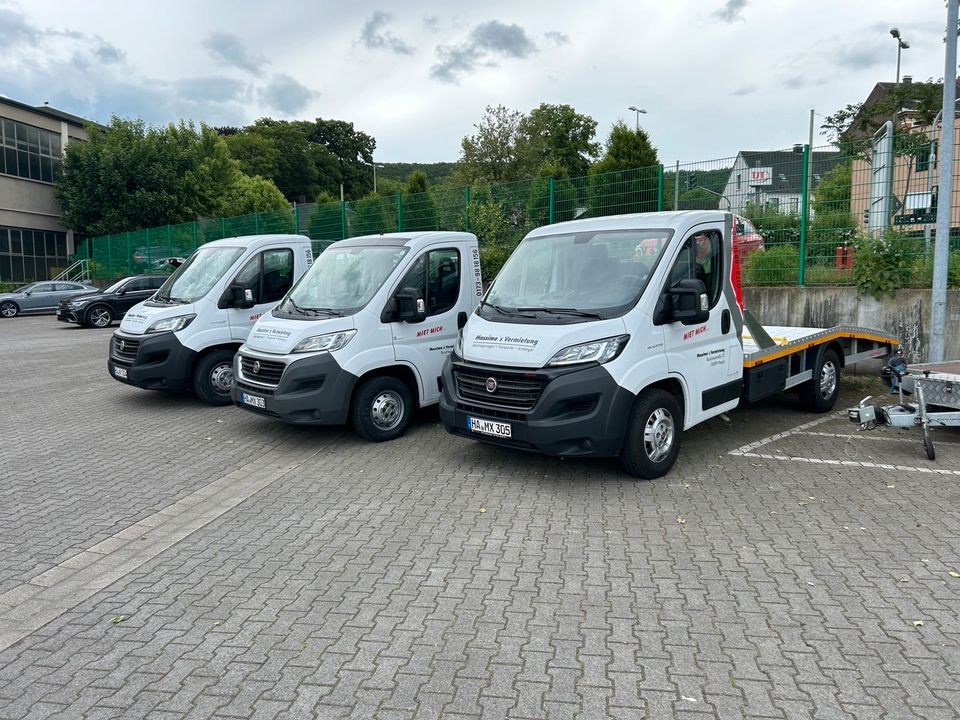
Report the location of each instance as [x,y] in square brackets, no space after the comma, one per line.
[364,334]
[185,336]
[610,336]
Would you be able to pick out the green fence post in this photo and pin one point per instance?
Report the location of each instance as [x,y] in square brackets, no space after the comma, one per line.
[659,188]
[550,220]
[194,235]
[399,212]
[169,240]
[804,206]
[466,208]
[296,219]
[343,220]
[223,228]
[129,254]
[256,223]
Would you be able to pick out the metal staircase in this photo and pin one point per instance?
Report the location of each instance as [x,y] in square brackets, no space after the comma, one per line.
[77,272]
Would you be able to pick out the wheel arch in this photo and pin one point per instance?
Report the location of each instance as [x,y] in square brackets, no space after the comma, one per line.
[403,373]
[672,385]
[231,346]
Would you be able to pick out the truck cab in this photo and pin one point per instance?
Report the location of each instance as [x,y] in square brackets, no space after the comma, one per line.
[363,336]
[603,337]
[185,336]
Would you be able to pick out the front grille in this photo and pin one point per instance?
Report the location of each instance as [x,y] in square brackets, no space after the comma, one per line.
[490,413]
[514,391]
[268,372]
[125,349]
[254,388]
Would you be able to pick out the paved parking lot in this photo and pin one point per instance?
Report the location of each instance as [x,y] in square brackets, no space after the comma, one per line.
[163,559]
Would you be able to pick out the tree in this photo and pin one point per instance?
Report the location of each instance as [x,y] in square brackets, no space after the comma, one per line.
[556,136]
[256,152]
[418,211]
[832,224]
[626,149]
[253,194]
[129,176]
[351,149]
[858,121]
[295,170]
[490,155]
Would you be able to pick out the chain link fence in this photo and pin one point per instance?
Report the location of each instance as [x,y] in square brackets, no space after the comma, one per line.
[823,215]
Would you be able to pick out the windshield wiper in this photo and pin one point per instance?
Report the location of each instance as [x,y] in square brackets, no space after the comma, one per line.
[314,310]
[178,301]
[563,311]
[509,312]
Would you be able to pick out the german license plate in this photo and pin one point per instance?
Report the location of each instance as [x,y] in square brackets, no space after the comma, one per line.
[120,372]
[489,427]
[254,400]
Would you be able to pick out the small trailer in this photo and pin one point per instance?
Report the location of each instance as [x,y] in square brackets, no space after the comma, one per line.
[936,391]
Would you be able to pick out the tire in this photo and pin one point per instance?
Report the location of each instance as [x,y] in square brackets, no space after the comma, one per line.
[820,393]
[213,376]
[9,309]
[928,444]
[99,316]
[652,443]
[381,409]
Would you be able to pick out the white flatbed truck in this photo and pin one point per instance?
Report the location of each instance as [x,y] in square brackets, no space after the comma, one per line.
[610,336]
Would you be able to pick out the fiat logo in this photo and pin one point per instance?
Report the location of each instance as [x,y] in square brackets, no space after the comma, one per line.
[491,385]
[120,345]
[256,367]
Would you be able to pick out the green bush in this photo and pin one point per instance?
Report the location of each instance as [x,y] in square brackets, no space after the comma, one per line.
[883,264]
[923,275]
[492,258]
[779,265]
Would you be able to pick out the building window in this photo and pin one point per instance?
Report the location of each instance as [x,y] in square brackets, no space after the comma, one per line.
[28,151]
[794,205]
[926,156]
[28,255]
[738,181]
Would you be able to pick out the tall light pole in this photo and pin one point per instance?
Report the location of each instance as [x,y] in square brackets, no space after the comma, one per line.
[901,45]
[637,111]
[374,166]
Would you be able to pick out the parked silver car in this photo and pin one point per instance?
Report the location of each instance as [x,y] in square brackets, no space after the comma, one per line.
[40,297]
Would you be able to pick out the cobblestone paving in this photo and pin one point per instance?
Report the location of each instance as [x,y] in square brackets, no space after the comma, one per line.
[437,578]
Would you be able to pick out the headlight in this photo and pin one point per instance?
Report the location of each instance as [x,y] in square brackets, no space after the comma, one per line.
[321,343]
[173,324]
[598,351]
[458,345]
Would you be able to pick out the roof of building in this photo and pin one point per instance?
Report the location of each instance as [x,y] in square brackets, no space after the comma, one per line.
[47,111]
[865,122]
[787,167]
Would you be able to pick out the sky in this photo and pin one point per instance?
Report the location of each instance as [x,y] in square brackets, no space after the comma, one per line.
[714,76]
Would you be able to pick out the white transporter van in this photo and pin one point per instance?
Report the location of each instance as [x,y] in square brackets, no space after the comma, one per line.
[610,336]
[185,336]
[364,334]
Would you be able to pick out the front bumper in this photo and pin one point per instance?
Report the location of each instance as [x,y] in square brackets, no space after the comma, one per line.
[65,314]
[579,412]
[313,390]
[152,362]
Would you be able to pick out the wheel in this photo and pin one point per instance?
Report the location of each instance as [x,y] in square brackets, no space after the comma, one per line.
[9,309]
[99,316]
[213,377]
[820,393]
[928,444]
[381,409]
[653,435]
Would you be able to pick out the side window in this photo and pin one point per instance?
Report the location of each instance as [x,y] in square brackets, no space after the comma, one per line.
[135,285]
[436,275]
[277,274]
[700,259]
[154,283]
[45,287]
[416,277]
[249,278]
[444,281]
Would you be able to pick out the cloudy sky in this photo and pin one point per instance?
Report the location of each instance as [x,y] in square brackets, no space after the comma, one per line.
[715,76]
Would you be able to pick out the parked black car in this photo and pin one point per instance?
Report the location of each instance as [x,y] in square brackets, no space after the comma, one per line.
[101,308]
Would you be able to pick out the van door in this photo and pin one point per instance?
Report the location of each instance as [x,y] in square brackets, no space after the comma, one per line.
[437,276]
[702,353]
[268,275]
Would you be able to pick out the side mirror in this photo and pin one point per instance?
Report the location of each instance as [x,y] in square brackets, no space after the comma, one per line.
[686,303]
[461,320]
[236,297]
[410,306]
[122,291]
[28,293]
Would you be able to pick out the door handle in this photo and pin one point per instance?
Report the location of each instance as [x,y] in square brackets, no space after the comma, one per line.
[725,321]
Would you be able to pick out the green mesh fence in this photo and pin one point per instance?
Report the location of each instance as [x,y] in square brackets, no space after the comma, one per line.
[819,213]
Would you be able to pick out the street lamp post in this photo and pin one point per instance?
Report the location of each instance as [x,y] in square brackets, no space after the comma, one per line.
[374,166]
[637,111]
[901,45]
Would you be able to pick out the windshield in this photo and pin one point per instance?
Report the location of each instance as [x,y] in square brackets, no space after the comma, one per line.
[342,280]
[198,274]
[578,275]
